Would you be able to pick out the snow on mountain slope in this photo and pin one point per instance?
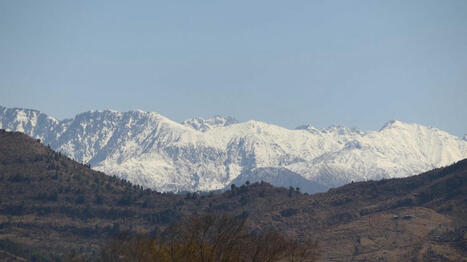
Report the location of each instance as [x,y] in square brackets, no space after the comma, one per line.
[201,124]
[197,154]
[31,122]
[397,150]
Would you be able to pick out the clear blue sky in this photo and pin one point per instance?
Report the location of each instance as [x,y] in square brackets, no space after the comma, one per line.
[354,63]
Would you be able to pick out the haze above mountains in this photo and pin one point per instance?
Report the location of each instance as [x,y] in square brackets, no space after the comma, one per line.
[209,154]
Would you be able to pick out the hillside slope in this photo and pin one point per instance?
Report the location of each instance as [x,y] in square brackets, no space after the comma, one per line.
[50,205]
[151,150]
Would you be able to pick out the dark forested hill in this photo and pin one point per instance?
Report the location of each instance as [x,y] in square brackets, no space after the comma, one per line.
[50,205]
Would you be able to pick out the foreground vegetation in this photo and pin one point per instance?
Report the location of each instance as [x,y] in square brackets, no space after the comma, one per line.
[208,239]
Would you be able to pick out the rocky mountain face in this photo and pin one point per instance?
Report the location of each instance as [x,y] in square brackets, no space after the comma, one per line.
[151,150]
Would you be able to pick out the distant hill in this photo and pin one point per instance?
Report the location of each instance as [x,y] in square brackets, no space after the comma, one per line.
[50,205]
[280,177]
[198,154]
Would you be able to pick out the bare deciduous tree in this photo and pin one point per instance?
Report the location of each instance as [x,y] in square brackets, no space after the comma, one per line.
[210,239]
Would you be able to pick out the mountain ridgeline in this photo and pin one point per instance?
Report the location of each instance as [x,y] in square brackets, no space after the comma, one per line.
[51,205]
[198,154]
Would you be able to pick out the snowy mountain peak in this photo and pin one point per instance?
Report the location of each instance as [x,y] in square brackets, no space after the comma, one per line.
[138,111]
[342,130]
[203,125]
[309,128]
[206,154]
[399,127]
[24,120]
[334,130]
[394,124]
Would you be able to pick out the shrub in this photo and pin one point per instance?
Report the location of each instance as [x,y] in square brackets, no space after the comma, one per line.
[208,239]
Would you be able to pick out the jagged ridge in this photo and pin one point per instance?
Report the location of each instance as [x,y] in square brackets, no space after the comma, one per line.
[197,154]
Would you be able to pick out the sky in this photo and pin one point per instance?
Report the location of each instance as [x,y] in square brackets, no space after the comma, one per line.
[354,63]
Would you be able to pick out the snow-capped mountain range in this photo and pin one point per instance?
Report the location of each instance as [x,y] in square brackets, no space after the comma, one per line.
[207,154]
